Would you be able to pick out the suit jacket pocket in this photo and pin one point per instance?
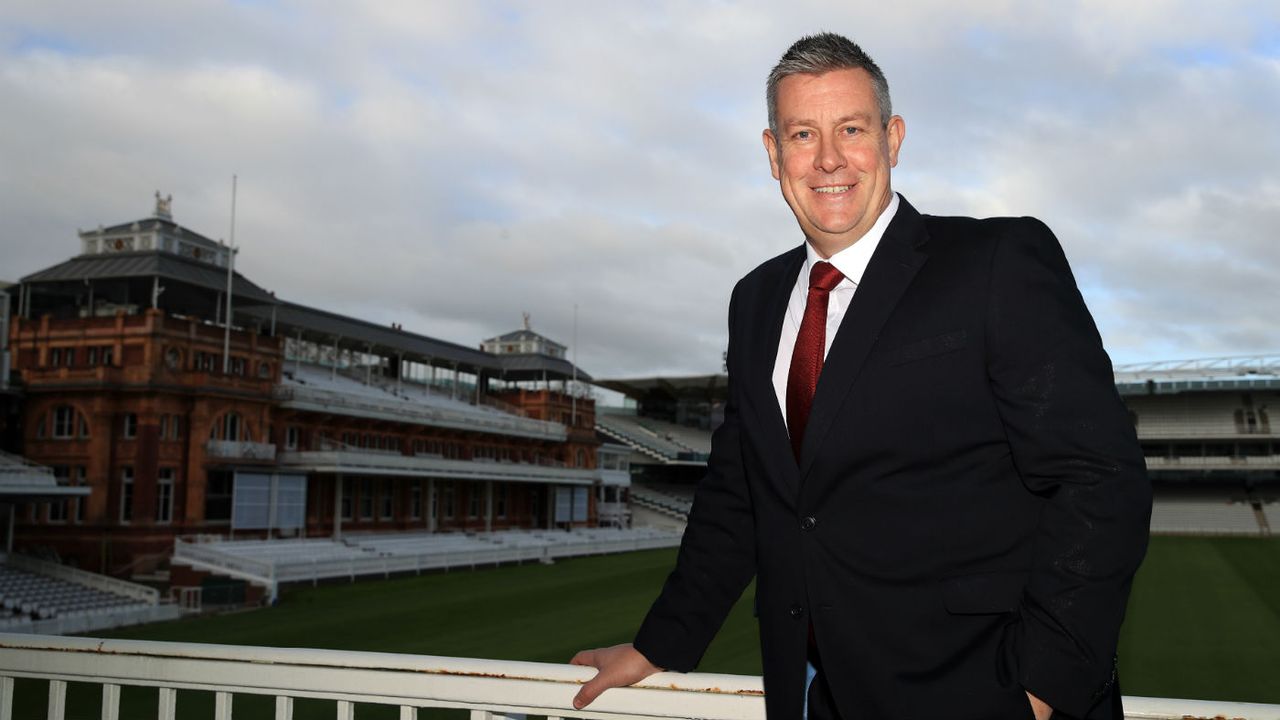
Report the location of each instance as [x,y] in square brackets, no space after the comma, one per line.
[921,349]
[983,593]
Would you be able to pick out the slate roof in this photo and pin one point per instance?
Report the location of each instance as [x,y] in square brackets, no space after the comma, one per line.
[529,366]
[149,263]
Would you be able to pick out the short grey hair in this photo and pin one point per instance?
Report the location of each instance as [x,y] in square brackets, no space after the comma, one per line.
[821,53]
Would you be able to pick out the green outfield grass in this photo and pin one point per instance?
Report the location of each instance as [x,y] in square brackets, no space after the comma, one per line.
[1204,621]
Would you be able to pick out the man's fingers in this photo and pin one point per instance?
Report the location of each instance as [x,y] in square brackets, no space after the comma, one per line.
[584,657]
[591,690]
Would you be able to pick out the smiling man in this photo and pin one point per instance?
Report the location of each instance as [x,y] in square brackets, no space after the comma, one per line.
[924,460]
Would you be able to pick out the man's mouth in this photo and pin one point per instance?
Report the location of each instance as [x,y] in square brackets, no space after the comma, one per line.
[833,189]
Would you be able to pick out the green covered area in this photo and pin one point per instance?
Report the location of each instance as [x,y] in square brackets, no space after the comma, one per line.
[1204,622]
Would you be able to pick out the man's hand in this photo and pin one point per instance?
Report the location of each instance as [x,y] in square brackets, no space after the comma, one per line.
[618,666]
[1039,707]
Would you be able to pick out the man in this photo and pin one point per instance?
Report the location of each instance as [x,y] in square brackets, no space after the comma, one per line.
[924,460]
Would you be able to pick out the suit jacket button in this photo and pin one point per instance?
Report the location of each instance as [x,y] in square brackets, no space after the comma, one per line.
[796,611]
[808,523]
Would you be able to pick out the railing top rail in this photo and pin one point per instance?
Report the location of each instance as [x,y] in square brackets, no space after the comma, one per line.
[440,681]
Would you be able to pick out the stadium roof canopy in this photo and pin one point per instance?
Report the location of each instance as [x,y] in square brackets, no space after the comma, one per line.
[323,327]
[1243,372]
[702,387]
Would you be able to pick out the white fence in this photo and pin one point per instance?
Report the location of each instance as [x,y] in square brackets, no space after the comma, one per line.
[490,689]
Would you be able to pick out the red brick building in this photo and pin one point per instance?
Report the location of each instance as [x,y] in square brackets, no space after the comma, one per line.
[285,421]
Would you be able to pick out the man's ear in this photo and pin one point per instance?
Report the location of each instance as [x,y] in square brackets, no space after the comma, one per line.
[895,133]
[771,147]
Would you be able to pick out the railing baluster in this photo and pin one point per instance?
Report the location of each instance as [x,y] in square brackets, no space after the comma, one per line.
[408,712]
[346,710]
[168,704]
[110,701]
[284,707]
[57,699]
[481,715]
[222,706]
[6,698]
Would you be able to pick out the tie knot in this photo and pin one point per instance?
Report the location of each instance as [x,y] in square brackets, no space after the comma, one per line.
[824,276]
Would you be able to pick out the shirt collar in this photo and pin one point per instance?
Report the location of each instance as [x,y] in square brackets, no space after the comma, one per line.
[852,261]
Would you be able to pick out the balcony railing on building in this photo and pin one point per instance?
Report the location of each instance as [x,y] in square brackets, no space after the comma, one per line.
[490,689]
[240,450]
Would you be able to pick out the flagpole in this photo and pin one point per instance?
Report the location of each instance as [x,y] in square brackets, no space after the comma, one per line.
[231,265]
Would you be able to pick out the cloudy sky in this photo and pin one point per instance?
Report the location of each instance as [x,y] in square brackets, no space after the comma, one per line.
[448,166]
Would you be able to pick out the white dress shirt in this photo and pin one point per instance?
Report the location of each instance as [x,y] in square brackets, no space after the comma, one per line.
[852,263]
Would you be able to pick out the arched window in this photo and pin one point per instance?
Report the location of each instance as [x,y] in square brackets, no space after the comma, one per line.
[229,427]
[68,423]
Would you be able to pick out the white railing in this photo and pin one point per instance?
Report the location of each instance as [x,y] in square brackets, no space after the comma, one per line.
[240,450]
[490,689]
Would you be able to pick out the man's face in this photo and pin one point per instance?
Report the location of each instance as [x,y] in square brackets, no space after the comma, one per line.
[832,156]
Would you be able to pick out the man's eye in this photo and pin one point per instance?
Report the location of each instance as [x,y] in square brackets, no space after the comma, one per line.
[803,135]
[851,130]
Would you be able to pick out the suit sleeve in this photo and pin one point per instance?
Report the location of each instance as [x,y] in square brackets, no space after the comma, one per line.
[717,554]
[1074,446]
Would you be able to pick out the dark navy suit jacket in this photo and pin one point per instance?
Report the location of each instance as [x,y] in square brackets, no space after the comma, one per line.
[971,502]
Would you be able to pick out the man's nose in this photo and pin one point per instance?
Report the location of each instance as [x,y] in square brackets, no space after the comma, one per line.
[829,158]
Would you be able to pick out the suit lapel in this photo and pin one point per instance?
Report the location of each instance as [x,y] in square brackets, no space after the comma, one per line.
[893,265]
[763,353]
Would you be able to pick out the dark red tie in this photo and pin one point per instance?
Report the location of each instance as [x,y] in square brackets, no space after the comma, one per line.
[806,361]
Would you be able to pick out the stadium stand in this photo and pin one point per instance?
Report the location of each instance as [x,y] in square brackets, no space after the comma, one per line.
[47,598]
[663,441]
[1203,511]
[269,562]
[307,385]
[665,498]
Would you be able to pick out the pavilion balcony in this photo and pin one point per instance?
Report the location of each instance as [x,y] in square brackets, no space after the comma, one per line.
[489,689]
[240,450]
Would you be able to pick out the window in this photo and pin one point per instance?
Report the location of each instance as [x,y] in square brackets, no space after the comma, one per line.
[164,427]
[229,428]
[217,495]
[130,429]
[582,458]
[164,496]
[70,357]
[238,366]
[64,422]
[93,357]
[55,357]
[58,508]
[77,503]
[500,500]
[346,500]
[473,501]
[415,499]
[291,437]
[447,498]
[366,499]
[387,500]
[175,427]
[173,358]
[126,495]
